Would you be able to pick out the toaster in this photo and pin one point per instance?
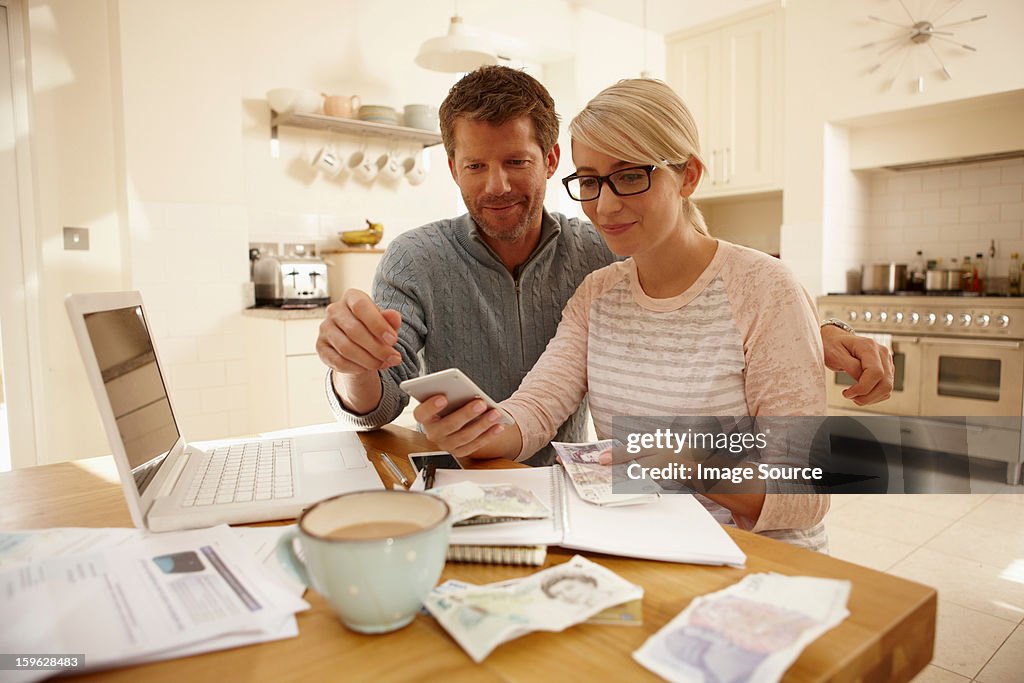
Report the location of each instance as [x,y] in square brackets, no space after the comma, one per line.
[290,281]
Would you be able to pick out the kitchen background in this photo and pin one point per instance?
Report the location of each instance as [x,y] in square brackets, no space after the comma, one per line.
[145,122]
[149,128]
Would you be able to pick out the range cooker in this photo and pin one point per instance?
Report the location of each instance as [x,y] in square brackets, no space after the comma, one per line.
[956,357]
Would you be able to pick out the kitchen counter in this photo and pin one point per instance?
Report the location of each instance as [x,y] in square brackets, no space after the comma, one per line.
[270,313]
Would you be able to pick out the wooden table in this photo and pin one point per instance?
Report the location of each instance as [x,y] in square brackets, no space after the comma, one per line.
[889,635]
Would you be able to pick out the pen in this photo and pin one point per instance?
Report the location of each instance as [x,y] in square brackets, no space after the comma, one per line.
[393,468]
[428,476]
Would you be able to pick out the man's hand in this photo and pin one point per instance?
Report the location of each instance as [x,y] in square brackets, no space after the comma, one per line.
[356,340]
[869,363]
[357,337]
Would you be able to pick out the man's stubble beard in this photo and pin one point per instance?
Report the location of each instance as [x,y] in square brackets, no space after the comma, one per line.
[532,216]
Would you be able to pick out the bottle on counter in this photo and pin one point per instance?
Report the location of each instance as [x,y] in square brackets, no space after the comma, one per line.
[980,274]
[966,274]
[918,268]
[1013,274]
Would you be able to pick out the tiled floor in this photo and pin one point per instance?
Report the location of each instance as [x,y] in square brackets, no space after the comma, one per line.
[970,547]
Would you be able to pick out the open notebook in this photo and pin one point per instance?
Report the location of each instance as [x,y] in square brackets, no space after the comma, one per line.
[673,528]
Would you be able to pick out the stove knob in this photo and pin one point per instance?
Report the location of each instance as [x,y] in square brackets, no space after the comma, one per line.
[930,319]
[983,320]
[965,320]
[897,317]
[914,318]
[867,316]
[947,319]
[883,316]
[852,315]
[1003,320]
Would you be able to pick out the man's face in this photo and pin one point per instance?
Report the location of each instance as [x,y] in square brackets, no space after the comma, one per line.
[502,171]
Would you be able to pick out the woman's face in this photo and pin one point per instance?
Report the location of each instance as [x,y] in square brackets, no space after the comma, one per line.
[635,224]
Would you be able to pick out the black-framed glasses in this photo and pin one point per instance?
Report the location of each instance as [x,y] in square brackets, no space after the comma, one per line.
[624,182]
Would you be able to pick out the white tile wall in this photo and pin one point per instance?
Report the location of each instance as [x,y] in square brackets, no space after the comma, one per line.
[948,212]
[190,262]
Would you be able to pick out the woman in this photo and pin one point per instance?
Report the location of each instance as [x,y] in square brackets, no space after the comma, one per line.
[687,325]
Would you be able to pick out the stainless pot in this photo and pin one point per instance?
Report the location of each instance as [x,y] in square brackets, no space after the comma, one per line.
[942,281]
[935,281]
[883,278]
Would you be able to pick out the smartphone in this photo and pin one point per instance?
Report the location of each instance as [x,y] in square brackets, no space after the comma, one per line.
[441,460]
[456,386]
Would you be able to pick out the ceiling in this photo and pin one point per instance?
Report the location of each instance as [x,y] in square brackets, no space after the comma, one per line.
[668,16]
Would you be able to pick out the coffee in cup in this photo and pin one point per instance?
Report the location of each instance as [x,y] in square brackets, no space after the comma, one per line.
[373,555]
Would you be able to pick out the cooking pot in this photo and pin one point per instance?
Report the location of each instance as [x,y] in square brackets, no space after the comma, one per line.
[942,281]
[883,278]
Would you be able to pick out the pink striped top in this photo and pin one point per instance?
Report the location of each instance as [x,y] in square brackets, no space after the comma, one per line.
[742,340]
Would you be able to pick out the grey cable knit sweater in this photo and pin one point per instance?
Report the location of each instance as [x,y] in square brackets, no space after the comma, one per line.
[461,308]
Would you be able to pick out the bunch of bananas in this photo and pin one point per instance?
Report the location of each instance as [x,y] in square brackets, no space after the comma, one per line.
[368,236]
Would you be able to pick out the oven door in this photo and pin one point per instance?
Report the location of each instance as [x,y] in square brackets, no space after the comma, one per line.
[905,397]
[972,377]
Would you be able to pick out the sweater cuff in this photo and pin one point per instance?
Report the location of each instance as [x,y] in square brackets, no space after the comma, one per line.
[521,416]
[388,409]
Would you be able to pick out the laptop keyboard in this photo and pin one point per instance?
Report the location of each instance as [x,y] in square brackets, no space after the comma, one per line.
[242,473]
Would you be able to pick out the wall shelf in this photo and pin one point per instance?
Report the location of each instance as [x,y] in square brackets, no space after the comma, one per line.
[334,124]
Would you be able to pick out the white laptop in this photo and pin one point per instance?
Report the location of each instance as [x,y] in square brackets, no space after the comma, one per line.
[172,485]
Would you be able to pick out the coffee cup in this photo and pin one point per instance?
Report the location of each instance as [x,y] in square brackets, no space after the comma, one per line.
[362,166]
[328,162]
[390,166]
[344,106]
[421,116]
[373,555]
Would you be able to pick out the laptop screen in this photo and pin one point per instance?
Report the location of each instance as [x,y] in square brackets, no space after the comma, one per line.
[135,387]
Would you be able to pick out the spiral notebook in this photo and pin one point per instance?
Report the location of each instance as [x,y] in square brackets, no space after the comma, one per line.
[526,555]
[673,528]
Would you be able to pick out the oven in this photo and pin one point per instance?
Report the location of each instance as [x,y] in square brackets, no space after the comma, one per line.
[959,363]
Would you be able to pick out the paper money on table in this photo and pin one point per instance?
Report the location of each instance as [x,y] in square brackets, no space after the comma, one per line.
[752,631]
[483,617]
[593,481]
[629,613]
[483,503]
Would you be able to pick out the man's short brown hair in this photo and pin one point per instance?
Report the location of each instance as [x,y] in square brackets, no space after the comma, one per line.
[496,95]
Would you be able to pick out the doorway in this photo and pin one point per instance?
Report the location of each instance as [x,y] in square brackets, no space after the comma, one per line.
[20,372]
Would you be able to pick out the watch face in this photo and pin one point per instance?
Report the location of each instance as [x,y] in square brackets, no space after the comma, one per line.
[922,36]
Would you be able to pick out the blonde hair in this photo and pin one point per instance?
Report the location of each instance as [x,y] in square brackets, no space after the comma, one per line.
[642,120]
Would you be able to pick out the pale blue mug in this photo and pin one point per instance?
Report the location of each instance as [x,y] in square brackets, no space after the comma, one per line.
[373,555]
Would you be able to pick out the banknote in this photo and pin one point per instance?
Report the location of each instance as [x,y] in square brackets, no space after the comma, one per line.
[594,482]
[482,618]
[477,503]
[751,631]
[629,613]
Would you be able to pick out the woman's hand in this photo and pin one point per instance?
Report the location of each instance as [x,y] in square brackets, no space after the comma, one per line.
[471,431]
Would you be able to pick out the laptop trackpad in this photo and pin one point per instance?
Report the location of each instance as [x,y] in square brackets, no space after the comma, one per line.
[322,461]
[331,461]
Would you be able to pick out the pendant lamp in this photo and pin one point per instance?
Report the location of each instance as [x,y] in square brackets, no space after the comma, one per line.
[456,52]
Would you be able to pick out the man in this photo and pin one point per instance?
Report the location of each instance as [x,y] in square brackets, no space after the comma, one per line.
[484,292]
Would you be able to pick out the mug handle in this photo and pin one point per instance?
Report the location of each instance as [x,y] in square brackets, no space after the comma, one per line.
[288,559]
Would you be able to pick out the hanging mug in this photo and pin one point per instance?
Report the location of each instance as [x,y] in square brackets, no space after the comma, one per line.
[414,167]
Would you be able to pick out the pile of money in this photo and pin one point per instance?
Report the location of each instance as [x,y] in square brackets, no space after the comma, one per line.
[751,631]
[596,483]
[480,618]
[482,503]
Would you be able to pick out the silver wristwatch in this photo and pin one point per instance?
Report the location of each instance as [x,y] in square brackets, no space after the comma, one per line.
[838,323]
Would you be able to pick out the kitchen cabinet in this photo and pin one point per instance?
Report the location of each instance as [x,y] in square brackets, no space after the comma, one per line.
[286,375]
[366,129]
[729,75]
